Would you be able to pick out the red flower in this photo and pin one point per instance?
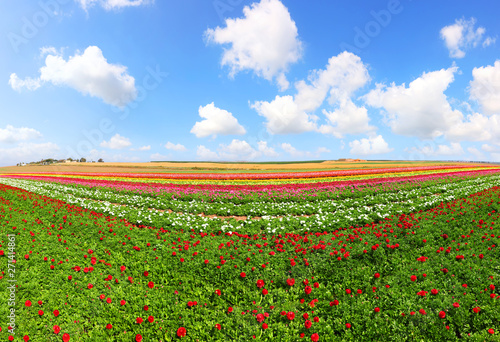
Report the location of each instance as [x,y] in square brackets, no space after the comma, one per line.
[422,311]
[217,292]
[66,337]
[377,309]
[316,319]
[335,302]
[260,318]
[348,291]
[40,302]
[359,291]
[56,313]
[217,326]
[290,315]
[265,326]
[26,338]
[40,312]
[348,325]
[109,326]
[492,295]
[265,292]
[308,290]
[308,324]
[181,332]
[316,285]
[90,286]
[139,320]
[413,278]
[138,338]
[456,305]
[491,331]
[27,303]
[122,302]
[377,275]
[481,256]
[315,337]
[146,273]
[243,274]
[230,309]
[123,268]
[151,284]
[56,329]
[146,308]
[442,314]
[70,277]
[290,282]
[108,300]
[434,291]
[101,297]
[151,319]
[260,283]
[476,309]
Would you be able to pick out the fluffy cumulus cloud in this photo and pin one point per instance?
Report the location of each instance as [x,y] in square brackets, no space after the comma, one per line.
[421,109]
[26,152]
[283,116]
[175,147]
[430,150]
[11,134]
[112,4]
[117,142]
[462,35]
[237,150]
[292,151]
[89,73]
[216,121]
[374,144]
[478,155]
[485,88]
[343,75]
[264,41]
[476,127]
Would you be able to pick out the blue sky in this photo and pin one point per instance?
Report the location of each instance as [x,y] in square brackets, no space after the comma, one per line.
[142,80]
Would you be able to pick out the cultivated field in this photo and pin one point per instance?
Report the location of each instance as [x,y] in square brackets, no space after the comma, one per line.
[320,251]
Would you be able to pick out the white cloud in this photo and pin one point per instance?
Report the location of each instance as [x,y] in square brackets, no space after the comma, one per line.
[265,41]
[266,150]
[143,148]
[371,145]
[485,87]
[462,36]
[112,4]
[28,152]
[490,148]
[175,147]
[217,121]
[284,116]
[454,149]
[288,148]
[342,76]
[28,83]
[478,155]
[477,127]
[11,134]
[237,150]
[116,142]
[89,73]
[421,109]
[206,154]
[347,119]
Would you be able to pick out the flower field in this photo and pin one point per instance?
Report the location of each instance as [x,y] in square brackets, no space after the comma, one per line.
[388,254]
